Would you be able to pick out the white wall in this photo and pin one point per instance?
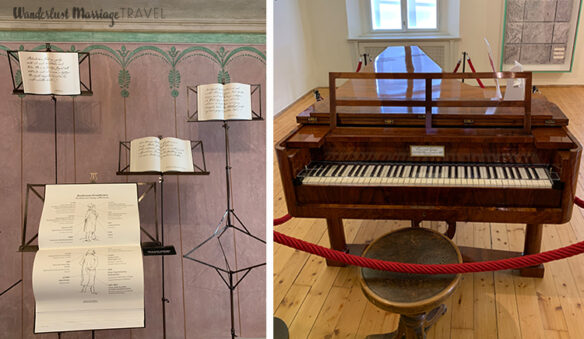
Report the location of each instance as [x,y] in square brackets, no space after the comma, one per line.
[293,53]
[305,54]
[310,39]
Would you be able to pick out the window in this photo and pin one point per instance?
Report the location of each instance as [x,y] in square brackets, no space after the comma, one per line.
[404,15]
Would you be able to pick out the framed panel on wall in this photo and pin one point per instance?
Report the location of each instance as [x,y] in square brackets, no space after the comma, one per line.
[540,34]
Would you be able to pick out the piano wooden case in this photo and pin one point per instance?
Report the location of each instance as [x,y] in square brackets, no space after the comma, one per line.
[404,141]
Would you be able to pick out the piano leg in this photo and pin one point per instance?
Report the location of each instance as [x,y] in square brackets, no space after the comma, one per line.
[336,234]
[451,229]
[533,234]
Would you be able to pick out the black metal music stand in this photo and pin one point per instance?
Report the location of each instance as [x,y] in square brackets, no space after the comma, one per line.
[159,247]
[18,85]
[18,89]
[229,221]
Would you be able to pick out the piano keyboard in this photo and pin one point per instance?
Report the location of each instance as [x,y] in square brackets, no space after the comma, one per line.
[424,174]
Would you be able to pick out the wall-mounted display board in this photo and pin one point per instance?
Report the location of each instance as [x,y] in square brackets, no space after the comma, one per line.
[540,35]
[135,15]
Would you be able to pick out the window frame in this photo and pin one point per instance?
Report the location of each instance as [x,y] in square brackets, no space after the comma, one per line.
[404,19]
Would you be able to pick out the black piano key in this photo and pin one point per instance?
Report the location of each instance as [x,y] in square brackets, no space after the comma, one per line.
[520,174]
[326,171]
[533,173]
[353,170]
[336,170]
[399,171]
[507,173]
[516,173]
[537,175]
[323,170]
[363,170]
[382,169]
[357,170]
[317,170]
[376,169]
[528,171]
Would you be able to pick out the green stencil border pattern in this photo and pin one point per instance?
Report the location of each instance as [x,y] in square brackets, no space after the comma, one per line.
[172,57]
[127,37]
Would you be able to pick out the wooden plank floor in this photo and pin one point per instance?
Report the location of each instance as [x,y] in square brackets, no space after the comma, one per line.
[317,301]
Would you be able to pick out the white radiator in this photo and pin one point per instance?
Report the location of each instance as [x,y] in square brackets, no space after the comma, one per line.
[442,52]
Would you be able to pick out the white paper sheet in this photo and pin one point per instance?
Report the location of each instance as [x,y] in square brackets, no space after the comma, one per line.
[88,272]
[50,72]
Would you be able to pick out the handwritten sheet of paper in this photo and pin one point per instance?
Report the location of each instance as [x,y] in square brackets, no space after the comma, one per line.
[145,155]
[210,102]
[50,72]
[88,272]
[176,155]
[237,99]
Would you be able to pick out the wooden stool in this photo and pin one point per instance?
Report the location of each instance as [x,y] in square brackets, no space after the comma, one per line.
[416,297]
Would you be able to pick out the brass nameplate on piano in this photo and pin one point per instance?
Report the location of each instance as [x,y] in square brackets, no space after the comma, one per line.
[427,151]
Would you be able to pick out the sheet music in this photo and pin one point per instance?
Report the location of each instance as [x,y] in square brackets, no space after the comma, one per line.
[50,72]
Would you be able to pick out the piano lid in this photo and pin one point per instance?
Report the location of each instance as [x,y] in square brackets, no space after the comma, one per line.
[411,59]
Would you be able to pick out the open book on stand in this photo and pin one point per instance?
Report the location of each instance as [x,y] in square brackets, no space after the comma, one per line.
[151,154]
[224,102]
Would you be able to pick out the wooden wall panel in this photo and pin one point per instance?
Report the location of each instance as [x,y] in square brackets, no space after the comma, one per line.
[140,90]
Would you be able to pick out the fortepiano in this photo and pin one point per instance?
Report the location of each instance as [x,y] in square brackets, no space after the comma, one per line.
[404,141]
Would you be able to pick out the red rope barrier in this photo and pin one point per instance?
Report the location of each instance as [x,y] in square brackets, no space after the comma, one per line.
[497,265]
[579,202]
[484,266]
[282,220]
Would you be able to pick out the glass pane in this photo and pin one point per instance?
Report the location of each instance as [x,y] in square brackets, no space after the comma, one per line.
[386,14]
[422,14]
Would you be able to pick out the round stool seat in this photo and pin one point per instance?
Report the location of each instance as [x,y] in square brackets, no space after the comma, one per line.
[406,293]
